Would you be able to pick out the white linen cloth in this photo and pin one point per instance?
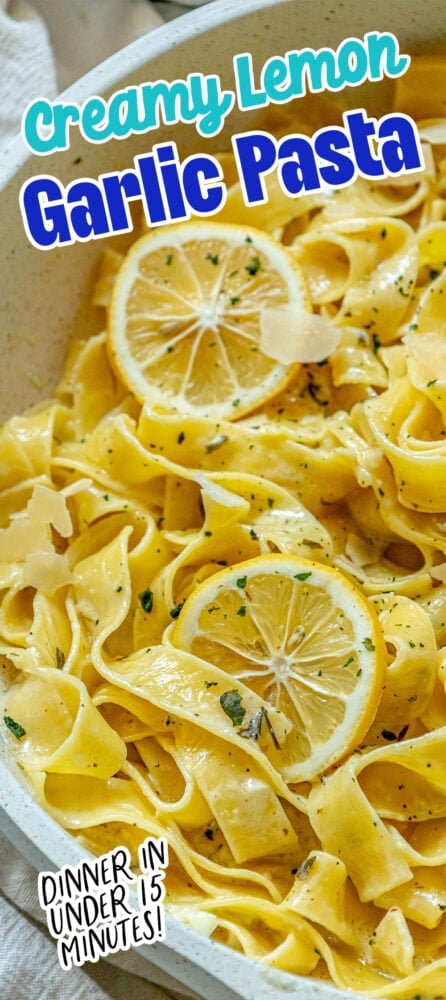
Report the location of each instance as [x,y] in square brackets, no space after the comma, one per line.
[44,46]
[29,967]
[47,44]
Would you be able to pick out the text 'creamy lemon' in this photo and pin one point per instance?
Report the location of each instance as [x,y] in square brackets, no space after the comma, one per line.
[304,639]
[187,313]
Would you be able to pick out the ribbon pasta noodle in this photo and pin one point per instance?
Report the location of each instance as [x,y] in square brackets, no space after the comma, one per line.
[114,515]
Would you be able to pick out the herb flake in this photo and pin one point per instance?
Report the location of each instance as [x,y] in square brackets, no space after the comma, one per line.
[60,658]
[14,727]
[146,600]
[175,612]
[253,266]
[368,645]
[231,703]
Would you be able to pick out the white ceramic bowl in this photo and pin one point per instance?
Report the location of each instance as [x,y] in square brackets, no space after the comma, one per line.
[45,299]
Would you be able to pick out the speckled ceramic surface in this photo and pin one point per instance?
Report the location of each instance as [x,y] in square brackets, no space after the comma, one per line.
[45,296]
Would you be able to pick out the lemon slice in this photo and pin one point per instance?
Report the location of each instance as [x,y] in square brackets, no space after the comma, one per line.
[304,639]
[185,317]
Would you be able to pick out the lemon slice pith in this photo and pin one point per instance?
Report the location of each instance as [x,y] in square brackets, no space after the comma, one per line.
[185,317]
[304,639]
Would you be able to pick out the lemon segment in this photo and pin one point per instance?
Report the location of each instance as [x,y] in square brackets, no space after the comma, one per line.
[304,639]
[186,315]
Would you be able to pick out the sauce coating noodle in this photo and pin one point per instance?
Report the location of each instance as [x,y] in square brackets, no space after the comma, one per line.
[113,513]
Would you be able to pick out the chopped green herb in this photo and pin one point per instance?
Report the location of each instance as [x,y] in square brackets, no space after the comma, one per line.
[14,727]
[60,658]
[302,576]
[105,496]
[431,382]
[231,703]
[349,661]
[213,259]
[242,611]
[236,402]
[254,535]
[241,582]
[118,589]
[234,300]
[368,644]
[210,684]
[146,600]
[376,342]
[253,266]
[270,502]
[175,612]
[433,273]
[181,437]
[169,259]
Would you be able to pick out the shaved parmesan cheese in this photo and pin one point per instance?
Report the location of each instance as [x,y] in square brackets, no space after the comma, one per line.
[290,334]
[27,539]
[21,537]
[46,506]
[49,506]
[46,571]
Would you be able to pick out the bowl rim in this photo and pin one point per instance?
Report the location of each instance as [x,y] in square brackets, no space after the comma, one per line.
[155,43]
[205,964]
[197,962]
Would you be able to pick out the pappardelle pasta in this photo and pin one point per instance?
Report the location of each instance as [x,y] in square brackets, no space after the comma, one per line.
[223,574]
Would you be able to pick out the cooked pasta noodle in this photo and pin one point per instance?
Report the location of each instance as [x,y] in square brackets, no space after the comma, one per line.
[113,513]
